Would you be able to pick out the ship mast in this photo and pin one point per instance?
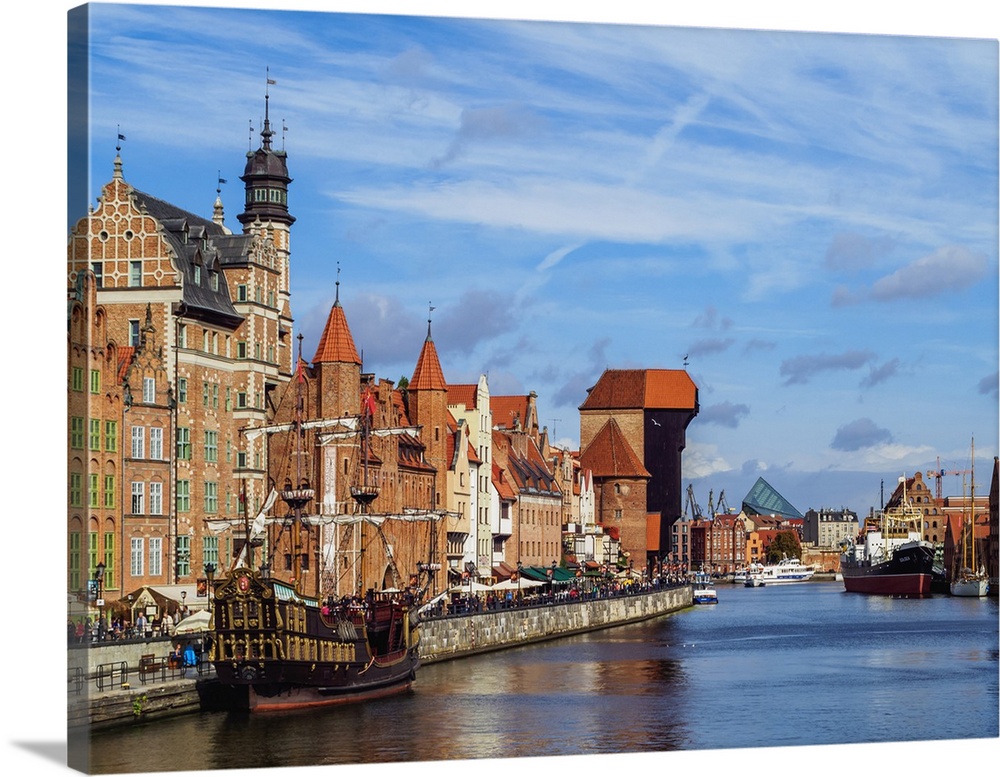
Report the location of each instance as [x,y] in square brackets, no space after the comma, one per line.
[299,494]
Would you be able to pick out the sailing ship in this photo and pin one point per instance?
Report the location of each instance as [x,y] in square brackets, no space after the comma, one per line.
[969,579]
[277,646]
[890,555]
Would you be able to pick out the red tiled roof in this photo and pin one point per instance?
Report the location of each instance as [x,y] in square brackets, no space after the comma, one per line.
[428,374]
[610,455]
[642,389]
[504,489]
[507,410]
[336,343]
[125,354]
[462,394]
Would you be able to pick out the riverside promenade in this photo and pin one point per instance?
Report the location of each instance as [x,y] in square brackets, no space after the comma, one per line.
[126,682]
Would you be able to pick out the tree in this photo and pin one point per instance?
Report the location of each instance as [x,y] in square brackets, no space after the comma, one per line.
[785,543]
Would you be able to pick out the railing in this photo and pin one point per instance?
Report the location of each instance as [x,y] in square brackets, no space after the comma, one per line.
[74,680]
[110,675]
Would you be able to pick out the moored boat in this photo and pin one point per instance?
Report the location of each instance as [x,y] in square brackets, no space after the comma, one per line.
[970,578]
[788,570]
[889,556]
[278,647]
[704,591]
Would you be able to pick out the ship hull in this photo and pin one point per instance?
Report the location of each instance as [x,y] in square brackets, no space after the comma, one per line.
[908,573]
[974,587]
[288,688]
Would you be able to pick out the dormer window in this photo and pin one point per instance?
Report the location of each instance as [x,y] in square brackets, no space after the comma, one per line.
[213,280]
[197,275]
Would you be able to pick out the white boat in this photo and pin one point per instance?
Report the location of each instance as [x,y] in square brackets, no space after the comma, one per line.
[753,577]
[788,570]
[704,591]
[970,579]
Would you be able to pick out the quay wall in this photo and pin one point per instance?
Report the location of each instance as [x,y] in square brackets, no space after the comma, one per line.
[106,689]
[460,636]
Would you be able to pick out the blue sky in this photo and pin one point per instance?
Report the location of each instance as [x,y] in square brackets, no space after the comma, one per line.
[809,219]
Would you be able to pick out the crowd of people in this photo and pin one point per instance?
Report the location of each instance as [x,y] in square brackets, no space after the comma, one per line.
[105,628]
[459,602]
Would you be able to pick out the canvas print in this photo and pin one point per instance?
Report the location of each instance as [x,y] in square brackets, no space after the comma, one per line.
[449,389]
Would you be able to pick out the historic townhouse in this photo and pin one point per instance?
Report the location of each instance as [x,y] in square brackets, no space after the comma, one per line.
[194,325]
[490,513]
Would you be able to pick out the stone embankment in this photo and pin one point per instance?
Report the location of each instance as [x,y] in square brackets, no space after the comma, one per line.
[114,684]
[459,636]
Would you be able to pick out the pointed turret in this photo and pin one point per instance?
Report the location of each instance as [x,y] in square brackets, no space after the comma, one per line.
[427,395]
[336,343]
[428,373]
[266,179]
[337,365]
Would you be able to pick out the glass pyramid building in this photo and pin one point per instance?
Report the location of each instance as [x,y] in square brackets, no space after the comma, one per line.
[762,499]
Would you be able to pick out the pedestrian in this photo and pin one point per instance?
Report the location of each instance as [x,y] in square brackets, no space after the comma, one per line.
[140,625]
[190,659]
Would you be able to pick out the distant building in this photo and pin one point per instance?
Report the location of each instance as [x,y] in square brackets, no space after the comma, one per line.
[763,499]
[827,528]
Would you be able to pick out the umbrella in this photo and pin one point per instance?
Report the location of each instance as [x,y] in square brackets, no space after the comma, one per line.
[514,585]
[464,588]
[193,623]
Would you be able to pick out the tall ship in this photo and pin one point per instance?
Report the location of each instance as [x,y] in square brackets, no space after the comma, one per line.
[969,578]
[788,570]
[889,556]
[278,647]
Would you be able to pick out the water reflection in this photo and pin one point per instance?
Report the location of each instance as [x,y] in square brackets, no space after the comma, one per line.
[802,665]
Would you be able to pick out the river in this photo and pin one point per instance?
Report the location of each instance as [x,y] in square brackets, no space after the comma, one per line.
[804,664]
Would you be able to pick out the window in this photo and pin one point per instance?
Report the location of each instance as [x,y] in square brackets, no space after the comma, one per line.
[92,490]
[74,541]
[241,292]
[183,555]
[210,550]
[156,443]
[133,332]
[98,269]
[135,273]
[213,279]
[95,381]
[183,443]
[155,556]
[256,351]
[211,497]
[78,379]
[138,442]
[206,341]
[182,336]
[229,399]
[138,497]
[109,491]
[109,560]
[204,393]
[241,399]
[76,433]
[215,396]
[211,446]
[197,275]
[241,349]
[183,496]
[155,498]
[149,390]
[76,489]
[111,436]
[182,390]
[241,459]
[136,558]
[95,434]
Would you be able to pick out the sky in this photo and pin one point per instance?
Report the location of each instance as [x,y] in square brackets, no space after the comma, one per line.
[806,221]
[593,197]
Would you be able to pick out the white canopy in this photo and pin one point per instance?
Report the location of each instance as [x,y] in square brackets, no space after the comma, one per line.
[472,586]
[516,585]
[194,623]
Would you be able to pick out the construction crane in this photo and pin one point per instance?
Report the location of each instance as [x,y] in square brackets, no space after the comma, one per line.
[939,473]
[723,505]
[692,503]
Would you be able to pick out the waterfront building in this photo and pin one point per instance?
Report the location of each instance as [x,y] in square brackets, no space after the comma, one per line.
[762,500]
[828,528]
[651,410]
[718,545]
[206,316]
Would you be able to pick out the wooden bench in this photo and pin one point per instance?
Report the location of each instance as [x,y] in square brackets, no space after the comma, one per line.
[151,664]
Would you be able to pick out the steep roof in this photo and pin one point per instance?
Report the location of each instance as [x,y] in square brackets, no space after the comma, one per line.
[336,343]
[762,499]
[610,455]
[642,389]
[509,411]
[462,394]
[428,375]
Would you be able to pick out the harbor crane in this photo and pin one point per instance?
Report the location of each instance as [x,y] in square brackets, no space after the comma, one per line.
[692,503]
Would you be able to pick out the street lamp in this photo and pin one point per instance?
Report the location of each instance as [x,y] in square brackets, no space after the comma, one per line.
[210,574]
[99,577]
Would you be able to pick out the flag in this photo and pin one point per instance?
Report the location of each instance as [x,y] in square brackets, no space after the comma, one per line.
[222,180]
[120,136]
[369,403]
[271,81]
